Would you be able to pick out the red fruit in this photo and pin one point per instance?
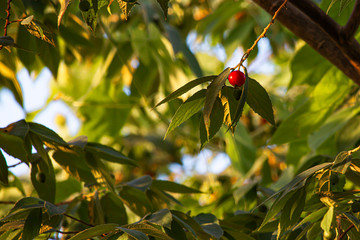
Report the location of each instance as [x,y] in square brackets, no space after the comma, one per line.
[236,78]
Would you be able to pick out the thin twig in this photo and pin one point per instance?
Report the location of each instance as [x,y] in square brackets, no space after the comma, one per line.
[247,53]
[7,202]
[7,22]
[14,165]
[353,23]
[78,220]
[345,232]
[354,150]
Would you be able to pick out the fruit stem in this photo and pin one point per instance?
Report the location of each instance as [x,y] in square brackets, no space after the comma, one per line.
[247,53]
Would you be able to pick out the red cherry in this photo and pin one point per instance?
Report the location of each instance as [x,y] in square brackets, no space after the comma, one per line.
[236,78]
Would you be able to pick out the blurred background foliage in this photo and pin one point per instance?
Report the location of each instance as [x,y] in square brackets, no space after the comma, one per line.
[111,74]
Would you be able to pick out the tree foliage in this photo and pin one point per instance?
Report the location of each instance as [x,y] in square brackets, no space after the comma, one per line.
[146,97]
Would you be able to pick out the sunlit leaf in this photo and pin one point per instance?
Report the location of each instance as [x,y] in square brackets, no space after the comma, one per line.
[327,220]
[216,121]
[38,30]
[186,88]
[191,106]
[95,231]
[126,7]
[63,6]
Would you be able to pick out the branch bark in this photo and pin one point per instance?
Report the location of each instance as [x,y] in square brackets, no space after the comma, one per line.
[322,33]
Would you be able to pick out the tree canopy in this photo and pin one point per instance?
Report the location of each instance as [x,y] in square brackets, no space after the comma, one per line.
[148,80]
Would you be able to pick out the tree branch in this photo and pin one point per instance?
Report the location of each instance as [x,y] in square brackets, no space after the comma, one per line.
[353,23]
[324,39]
[7,20]
[318,16]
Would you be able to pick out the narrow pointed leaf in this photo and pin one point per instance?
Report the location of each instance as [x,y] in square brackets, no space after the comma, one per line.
[173,187]
[95,231]
[212,94]
[191,106]
[164,6]
[134,233]
[4,173]
[109,154]
[32,224]
[186,88]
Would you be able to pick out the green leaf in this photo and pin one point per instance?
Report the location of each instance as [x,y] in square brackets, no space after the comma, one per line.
[179,45]
[134,233]
[25,203]
[164,4]
[173,187]
[4,173]
[108,154]
[39,146]
[176,231]
[229,103]
[100,168]
[212,94]
[141,183]
[242,101]
[209,224]
[12,142]
[186,88]
[90,16]
[330,6]
[333,124]
[43,179]
[54,210]
[47,135]
[343,5]
[277,206]
[64,189]
[292,210]
[342,162]
[11,235]
[187,222]
[259,100]
[325,98]
[216,121]
[73,162]
[162,217]
[136,200]
[307,67]
[95,231]
[109,202]
[314,216]
[32,224]
[240,192]
[63,6]
[149,230]
[327,220]
[354,220]
[191,106]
